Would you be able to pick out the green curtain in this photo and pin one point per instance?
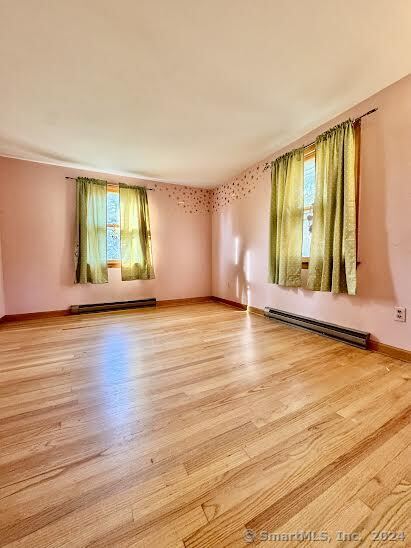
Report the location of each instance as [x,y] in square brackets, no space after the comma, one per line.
[91,245]
[286,219]
[333,259]
[135,234]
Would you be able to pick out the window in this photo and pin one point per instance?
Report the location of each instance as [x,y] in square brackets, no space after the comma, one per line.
[309,195]
[113,227]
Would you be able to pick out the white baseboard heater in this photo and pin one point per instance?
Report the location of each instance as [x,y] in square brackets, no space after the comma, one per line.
[105,307]
[345,334]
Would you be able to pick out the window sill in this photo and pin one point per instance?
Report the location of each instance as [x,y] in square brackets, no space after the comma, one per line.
[113,264]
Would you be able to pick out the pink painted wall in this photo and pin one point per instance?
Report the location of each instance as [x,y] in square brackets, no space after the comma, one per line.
[240,230]
[37,227]
[2,298]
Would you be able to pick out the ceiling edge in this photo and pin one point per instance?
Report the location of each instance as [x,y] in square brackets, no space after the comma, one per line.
[70,165]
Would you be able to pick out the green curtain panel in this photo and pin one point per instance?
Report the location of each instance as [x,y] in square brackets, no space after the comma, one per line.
[286,219]
[135,234]
[333,258]
[91,246]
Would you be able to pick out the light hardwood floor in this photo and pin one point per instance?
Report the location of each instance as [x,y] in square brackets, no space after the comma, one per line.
[185,426]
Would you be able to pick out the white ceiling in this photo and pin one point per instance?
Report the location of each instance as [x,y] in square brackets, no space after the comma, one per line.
[189,91]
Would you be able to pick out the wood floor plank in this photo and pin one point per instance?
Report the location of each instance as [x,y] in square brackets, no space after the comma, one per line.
[185,425]
[389,522]
[267,501]
[380,485]
[324,512]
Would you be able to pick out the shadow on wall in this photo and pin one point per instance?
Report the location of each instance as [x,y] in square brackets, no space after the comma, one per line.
[239,273]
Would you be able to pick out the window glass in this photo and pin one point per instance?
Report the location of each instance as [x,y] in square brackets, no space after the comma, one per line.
[113,226]
[309,194]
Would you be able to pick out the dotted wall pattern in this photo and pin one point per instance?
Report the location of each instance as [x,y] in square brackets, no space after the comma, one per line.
[240,187]
[191,200]
[194,200]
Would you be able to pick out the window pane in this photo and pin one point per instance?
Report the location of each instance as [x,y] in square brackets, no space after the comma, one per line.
[113,208]
[113,243]
[309,194]
[113,233]
[307,227]
[309,182]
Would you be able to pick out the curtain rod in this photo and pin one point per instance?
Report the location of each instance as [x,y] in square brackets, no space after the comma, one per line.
[268,164]
[75,179]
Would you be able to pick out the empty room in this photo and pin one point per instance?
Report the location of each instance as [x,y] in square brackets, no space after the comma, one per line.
[205,258]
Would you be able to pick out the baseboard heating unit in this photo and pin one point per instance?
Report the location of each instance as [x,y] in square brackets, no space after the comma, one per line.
[350,336]
[105,307]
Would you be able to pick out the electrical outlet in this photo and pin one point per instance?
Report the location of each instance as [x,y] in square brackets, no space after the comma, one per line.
[400,314]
